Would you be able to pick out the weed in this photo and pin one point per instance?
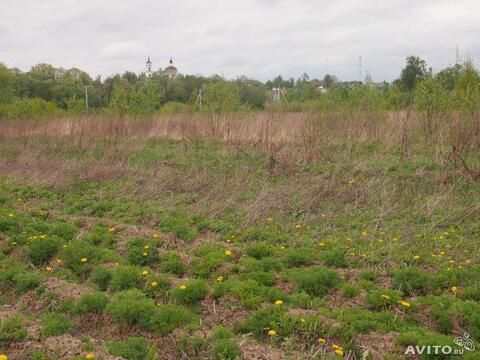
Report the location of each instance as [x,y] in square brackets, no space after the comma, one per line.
[54,324]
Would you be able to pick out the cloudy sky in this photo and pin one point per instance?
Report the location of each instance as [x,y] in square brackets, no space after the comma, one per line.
[257,38]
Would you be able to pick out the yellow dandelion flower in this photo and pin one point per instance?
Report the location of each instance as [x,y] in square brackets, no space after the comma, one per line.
[220,278]
[352,181]
[112,229]
[405,304]
[14,243]
[84,260]
[3,357]
[302,320]
[416,257]
[460,267]
[349,239]
[64,246]
[155,236]
[442,253]
[145,253]
[321,244]
[48,268]
[451,261]
[11,215]
[339,352]
[153,284]
[336,347]
[228,240]
[281,247]
[322,341]
[269,219]
[386,297]
[364,233]
[272,332]
[183,287]
[90,356]
[453,289]
[468,261]
[58,261]
[145,273]
[228,253]
[146,247]
[278,302]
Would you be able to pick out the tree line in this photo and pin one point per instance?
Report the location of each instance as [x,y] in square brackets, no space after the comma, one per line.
[45,90]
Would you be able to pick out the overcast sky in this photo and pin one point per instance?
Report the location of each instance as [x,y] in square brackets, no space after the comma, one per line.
[257,38]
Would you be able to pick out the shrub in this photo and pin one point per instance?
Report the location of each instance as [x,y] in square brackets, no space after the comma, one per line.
[334,257]
[92,302]
[190,292]
[262,320]
[262,277]
[349,291]
[101,276]
[42,250]
[259,250]
[298,257]
[225,349]
[204,266]
[409,279]
[142,253]
[130,307]
[301,300]
[377,299]
[368,275]
[64,230]
[54,324]
[26,281]
[75,252]
[317,280]
[124,278]
[172,263]
[166,319]
[134,348]
[100,234]
[12,329]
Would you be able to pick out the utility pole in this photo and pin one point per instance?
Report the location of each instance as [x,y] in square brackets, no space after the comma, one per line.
[360,68]
[86,98]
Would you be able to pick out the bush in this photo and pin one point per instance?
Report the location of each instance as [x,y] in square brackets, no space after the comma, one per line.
[368,275]
[377,299]
[259,250]
[172,263]
[410,279]
[92,302]
[335,257]
[134,348]
[75,252]
[265,319]
[28,109]
[349,291]
[317,280]
[124,278]
[54,324]
[12,329]
[26,281]
[225,349]
[131,307]
[142,253]
[42,250]
[190,292]
[100,234]
[298,257]
[64,230]
[101,276]
[166,319]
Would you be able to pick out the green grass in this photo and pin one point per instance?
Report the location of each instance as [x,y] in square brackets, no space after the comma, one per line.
[320,249]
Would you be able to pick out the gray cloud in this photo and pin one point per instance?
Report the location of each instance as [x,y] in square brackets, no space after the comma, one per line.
[257,38]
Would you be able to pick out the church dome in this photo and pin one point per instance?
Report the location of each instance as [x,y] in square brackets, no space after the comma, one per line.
[170,69]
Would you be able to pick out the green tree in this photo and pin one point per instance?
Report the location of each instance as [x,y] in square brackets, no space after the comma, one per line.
[220,96]
[414,71]
[6,85]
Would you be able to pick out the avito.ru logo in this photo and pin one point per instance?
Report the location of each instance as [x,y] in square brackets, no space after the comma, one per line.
[463,342]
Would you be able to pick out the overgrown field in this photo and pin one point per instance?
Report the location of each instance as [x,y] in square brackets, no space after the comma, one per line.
[267,236]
